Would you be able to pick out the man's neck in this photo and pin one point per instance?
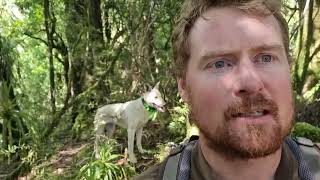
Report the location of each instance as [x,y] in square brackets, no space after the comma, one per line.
[252,169]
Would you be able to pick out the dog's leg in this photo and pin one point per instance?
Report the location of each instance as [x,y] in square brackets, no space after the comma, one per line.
[139,135]
[131,133]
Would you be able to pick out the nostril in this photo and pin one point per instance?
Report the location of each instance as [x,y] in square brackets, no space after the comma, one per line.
[242,92]
[265,112]
[248,91]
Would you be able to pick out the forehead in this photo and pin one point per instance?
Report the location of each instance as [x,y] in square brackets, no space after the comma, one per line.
[233,29]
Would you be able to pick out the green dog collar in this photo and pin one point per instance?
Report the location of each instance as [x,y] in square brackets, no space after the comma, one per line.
[149,108]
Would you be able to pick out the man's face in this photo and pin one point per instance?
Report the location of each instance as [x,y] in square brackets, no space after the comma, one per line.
[237,83]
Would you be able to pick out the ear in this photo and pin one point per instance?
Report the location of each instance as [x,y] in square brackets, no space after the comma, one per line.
[157,85]
[182,87]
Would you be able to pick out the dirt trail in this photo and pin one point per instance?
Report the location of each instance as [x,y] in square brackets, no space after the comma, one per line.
[62,161]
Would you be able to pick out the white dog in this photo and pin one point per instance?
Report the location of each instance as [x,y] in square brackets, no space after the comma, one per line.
[132,115]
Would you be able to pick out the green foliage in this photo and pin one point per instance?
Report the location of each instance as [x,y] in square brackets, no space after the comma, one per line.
[302,129]
[79,124]
[25,152]
[9,116]
[313,93]
[16,123]
[162,152]
[106,167]
[178,126]
[9,166]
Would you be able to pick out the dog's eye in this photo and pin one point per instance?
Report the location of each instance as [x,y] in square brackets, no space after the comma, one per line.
[156,97]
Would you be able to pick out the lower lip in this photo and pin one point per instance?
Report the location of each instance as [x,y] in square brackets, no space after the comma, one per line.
[259,119]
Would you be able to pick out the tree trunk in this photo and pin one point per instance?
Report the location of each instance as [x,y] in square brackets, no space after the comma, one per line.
[303,50]
[49,27]
[75,33]
[95,47]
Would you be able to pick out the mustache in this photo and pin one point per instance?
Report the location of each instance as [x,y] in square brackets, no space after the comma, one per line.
[251,103]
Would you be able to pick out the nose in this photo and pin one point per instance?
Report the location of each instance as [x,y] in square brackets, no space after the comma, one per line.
[248,81]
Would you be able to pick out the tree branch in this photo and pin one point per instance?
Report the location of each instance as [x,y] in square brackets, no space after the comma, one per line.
[315,52]
[116,37]
[294,12]
[58,58]
[36,38]
[291,8]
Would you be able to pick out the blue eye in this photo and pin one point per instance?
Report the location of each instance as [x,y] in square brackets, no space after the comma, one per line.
[265,58]
[219,64]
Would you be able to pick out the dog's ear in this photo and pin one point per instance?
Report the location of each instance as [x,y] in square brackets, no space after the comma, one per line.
[157,85]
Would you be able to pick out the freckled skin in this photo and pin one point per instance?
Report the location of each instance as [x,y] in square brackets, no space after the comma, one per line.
[235,39]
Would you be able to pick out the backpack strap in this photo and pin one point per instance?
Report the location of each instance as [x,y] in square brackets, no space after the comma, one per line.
[178,164]
[303,169]
[171,168]
[311,154]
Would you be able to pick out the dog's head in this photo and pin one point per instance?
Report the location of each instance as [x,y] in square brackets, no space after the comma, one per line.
[154,98]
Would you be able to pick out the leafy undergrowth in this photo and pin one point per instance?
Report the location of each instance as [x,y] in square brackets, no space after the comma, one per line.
[67,157]
[303,129]
[70,158]
[63,160]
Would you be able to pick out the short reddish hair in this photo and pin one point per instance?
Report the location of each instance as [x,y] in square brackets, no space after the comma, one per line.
[193,9]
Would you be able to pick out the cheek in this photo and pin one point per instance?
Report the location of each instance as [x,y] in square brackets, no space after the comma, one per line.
[207,99]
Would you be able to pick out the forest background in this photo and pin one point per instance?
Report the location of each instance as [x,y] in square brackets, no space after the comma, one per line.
[60,60]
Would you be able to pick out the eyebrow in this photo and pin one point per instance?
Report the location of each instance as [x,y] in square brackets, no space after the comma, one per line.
[212,54]
[226,52]
[268,47]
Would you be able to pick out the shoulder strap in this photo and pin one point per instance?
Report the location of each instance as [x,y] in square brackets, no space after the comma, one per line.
[179,162]
[171,168]
[311,154]
[303,169]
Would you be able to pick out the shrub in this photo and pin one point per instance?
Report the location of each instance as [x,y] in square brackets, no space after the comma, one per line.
[178,126]
[106,167]
[306,130]
[161,152]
